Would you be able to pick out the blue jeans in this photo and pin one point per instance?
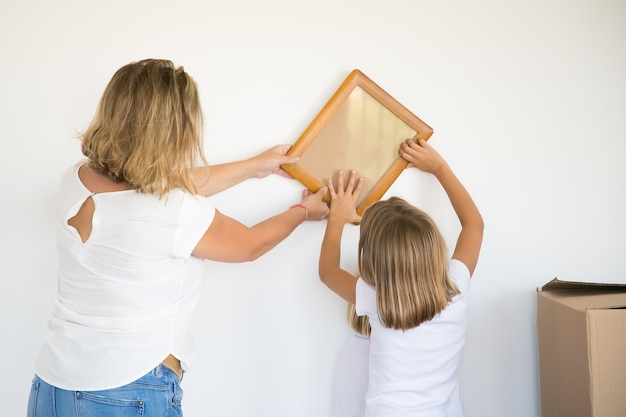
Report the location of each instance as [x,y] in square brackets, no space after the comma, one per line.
[156,394]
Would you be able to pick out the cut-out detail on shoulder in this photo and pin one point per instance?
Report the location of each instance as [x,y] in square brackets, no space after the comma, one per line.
[82,220]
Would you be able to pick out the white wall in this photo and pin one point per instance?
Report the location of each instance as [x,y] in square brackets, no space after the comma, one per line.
[528,103]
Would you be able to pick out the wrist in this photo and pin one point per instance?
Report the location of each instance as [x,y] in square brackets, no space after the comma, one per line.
[336,219]
[441,170]
[301,206]
[253,167]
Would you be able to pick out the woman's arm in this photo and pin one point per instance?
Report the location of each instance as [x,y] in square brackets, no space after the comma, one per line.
[423,156]
[342,211]
[228,240]
[215,178]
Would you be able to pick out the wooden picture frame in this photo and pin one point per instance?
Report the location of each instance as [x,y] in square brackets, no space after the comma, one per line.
[360,128]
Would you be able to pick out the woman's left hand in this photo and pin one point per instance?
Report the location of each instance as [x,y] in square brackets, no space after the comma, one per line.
[269,162]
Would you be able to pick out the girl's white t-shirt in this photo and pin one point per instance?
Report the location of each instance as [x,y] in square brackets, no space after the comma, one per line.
[126,296]
[416,372]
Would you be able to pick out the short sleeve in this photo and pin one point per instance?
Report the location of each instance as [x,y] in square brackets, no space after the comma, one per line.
[196,215]
[459,273]
[365,299]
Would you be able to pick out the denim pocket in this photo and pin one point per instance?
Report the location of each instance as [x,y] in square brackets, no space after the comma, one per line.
[32,398]
[91,405]
[177,399]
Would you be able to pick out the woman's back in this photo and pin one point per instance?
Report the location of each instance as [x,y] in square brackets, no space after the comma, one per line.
[128,287]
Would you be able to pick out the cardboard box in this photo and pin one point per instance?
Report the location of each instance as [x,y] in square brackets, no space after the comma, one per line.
[582,349]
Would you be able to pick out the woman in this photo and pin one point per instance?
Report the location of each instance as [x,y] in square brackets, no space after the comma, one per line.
[133,228]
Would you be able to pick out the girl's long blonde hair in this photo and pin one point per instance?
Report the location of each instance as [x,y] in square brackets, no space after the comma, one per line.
[359,324]
[147,131]
[404,257]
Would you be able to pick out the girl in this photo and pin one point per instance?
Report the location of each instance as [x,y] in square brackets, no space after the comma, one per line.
[415,297]
[133,227]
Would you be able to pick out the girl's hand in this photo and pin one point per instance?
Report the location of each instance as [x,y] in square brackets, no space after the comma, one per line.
[343,200]
[421,155]
[269,162]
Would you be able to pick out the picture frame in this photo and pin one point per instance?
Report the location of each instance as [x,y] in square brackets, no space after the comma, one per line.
[360,128]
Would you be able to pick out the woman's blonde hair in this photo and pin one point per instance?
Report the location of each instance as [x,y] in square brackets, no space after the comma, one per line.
[359,324]
[404,257]
[147,131]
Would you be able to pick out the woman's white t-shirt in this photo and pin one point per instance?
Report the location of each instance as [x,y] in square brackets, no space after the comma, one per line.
[127,295]
[416,372]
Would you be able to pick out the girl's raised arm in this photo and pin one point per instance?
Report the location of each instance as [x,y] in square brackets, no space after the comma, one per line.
[342,211]
[423,156]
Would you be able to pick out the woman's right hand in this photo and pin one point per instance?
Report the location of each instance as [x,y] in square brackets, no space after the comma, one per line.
[317,209]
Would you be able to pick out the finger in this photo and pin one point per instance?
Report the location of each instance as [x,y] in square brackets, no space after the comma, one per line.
[285,174]
[322,192]
[282,149]
[340,188]
[410,147]
[350,187]
[414,144]
[408,150]
[292,159]
[402,150]
[359,185]
[331,187]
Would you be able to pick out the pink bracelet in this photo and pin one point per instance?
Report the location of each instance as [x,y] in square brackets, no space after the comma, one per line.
[306,210]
